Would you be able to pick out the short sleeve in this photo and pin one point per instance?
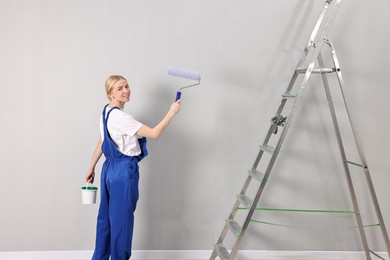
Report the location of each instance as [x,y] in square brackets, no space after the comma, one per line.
[128,125]
[122,124]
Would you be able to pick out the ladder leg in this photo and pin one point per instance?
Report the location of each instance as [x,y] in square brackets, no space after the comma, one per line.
[237,243]
[344,159]
[237,204]
[360,150]
[231,216]
[244,189]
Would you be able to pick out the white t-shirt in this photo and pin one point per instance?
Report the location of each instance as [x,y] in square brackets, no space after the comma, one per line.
[122,128]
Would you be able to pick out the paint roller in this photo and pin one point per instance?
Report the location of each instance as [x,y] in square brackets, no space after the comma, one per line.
[183,73]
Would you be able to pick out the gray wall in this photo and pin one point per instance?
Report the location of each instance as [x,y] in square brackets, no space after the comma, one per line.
[56,55]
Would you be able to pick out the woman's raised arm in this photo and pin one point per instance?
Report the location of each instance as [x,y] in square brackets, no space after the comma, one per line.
[156,131]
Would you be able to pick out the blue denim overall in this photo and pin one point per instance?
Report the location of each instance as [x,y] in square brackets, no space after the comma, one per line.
[119,196]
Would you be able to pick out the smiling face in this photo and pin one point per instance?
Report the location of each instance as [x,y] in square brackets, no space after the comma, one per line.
[118,90]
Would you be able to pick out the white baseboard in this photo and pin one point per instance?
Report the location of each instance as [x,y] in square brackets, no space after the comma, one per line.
[192,255]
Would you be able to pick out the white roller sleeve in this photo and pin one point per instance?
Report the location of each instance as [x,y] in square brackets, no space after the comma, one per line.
[184,73]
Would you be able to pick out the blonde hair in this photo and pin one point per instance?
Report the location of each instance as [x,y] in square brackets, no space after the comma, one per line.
[110,82]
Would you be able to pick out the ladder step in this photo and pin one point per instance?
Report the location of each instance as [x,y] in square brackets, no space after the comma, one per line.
[317,70]
[222,252]
[287,95]
[245,200]
[234,227]
[267,148]
[256,175]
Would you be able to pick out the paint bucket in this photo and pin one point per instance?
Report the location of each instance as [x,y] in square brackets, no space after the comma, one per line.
[88,194]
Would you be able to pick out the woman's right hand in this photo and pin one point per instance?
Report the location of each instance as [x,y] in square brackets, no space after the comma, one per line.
[90,176]
[175,107]
[156,131]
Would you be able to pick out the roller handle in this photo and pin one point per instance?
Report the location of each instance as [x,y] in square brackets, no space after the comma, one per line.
[178,95]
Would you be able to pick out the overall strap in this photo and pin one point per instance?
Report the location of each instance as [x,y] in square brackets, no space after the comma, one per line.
[105,119]
[104,116]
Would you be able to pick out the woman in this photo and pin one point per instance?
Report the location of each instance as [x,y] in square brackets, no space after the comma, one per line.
[122,140]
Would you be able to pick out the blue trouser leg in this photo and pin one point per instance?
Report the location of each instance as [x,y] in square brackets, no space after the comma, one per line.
[124,196]
[103,234]
[116,218]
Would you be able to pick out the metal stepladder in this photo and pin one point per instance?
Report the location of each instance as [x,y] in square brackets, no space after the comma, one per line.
[306,67]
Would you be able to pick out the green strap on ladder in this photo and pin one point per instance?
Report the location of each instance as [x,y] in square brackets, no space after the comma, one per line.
[306,211]
[319,228]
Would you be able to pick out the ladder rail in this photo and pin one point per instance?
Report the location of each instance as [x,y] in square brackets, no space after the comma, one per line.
[313,34]
[359,147]
[226,227]
[302,59]
[243,191]
[308,46]
[344,160]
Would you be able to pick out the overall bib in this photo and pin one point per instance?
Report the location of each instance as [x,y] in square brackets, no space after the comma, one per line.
[119,196]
